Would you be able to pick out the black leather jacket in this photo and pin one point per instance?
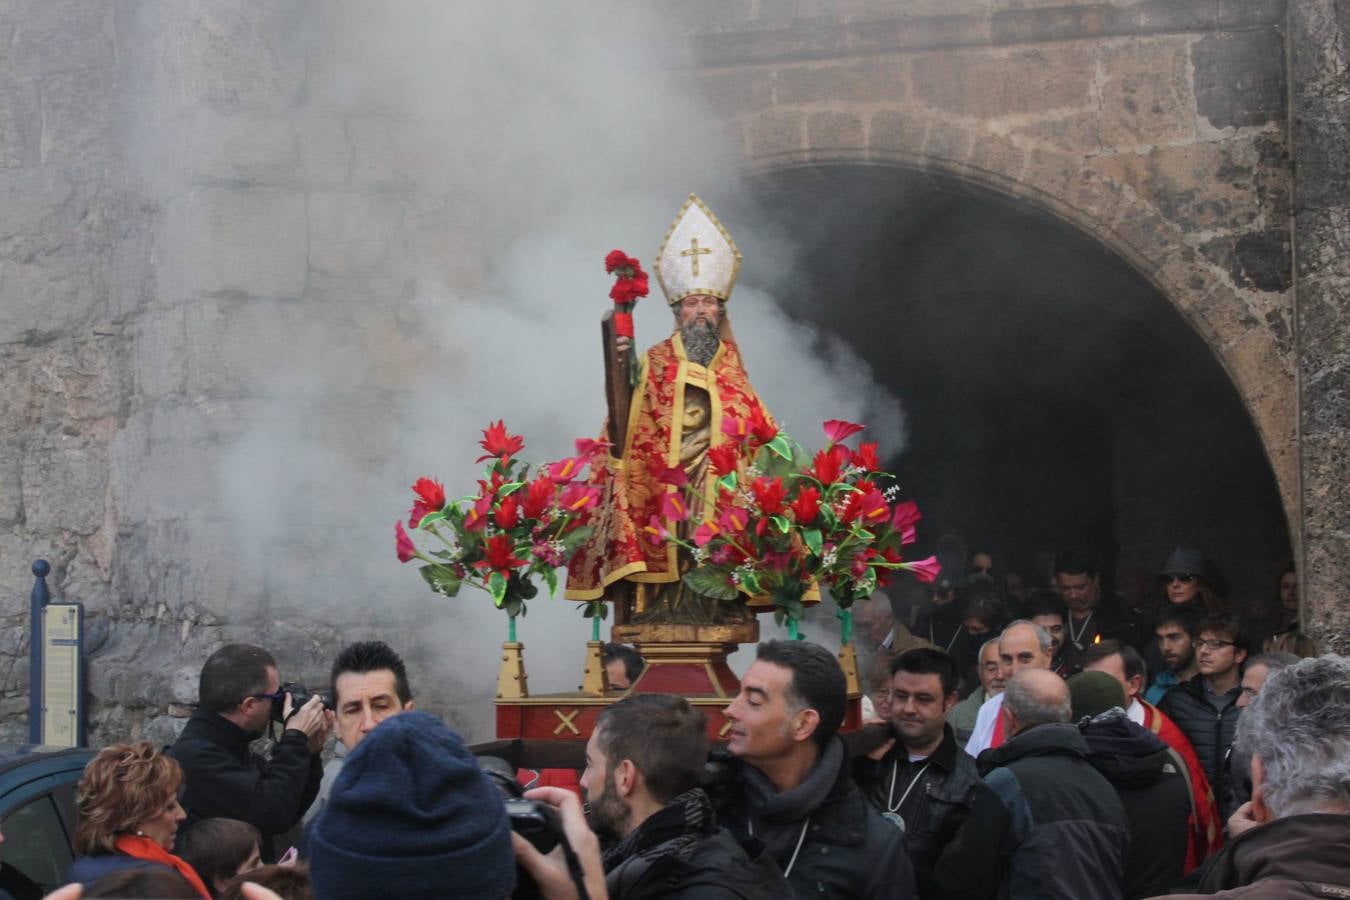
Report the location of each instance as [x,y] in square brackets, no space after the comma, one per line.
[933,809]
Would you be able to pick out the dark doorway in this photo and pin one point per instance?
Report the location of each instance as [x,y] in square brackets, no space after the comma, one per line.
[1054,397]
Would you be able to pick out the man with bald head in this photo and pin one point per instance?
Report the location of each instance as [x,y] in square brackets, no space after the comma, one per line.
[1023,645]
[1046,824]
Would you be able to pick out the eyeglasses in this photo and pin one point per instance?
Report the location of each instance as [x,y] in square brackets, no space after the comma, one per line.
[1212,644]
[278,694]
[1184,579]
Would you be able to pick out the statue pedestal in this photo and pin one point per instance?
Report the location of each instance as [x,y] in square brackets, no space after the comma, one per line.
[512,683]
[690,660]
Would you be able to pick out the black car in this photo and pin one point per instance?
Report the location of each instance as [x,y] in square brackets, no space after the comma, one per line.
[37,816]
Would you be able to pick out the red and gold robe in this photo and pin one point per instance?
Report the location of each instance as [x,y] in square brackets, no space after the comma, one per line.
[665,405]
[1206,833]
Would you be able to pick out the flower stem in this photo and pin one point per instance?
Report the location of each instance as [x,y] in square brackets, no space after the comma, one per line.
[793,633]
[595,627]
[511,629]
[845,625]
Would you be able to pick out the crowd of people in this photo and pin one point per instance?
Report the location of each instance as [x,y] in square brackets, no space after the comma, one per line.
[1027,758]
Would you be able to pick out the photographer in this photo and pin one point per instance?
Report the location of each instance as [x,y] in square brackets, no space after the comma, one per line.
[238,694]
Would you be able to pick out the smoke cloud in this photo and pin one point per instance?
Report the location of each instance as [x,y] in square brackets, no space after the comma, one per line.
[557,133]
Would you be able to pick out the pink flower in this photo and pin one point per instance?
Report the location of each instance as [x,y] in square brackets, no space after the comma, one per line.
[733,520]
[736,429]
[655,531]
[590,448]
[672,475]
[837,430]
[904,518]
[403,544]
[673,507]
[564,470]
[476,518]
[926,570]
[705,534]
[577,497]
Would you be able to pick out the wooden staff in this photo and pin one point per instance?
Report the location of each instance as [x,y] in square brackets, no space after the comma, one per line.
[618,390]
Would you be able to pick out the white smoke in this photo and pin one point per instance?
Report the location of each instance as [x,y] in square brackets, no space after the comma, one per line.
[564,131]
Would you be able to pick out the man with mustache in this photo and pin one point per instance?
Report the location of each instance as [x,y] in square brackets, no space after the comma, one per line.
[691,394]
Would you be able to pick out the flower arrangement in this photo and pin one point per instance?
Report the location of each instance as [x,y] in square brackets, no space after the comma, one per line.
[514,528]
[784,520]
[630,285]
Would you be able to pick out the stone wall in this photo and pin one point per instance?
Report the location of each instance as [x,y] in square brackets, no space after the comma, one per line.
[1319,34]
[163,258]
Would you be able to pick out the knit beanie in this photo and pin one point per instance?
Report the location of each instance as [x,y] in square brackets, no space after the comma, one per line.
[1093,693]
[412,816]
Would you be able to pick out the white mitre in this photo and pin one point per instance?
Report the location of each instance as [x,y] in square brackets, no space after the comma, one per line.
[697,256]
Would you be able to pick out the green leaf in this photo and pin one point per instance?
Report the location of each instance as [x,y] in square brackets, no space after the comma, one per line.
[781,523]
[431,518]
[751,583]
[781,445]
[442,579]
[727,481]
[575,538]
[507,490]
[443,554]
[811,537]
[526,589]
[497,588]
[515,607]
[551,579]
[710,582]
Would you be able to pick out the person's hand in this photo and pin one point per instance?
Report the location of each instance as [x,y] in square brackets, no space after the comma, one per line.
[312,719]
[1242,819]
[881,751]
[252,891]
[623,343]
[72,892]
[550,871]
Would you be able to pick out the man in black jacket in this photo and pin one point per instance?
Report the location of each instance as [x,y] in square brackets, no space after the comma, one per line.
[238,687]
[921,777]
[644,762]
[1205,708]
[1148,777]
[1048,825]
[791,787]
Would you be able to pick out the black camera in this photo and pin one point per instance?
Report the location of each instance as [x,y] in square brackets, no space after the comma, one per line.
[536,822]
[299,697]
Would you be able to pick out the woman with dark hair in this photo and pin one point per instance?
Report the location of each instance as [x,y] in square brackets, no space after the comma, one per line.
[1184,581]
[220,849]
[129,814]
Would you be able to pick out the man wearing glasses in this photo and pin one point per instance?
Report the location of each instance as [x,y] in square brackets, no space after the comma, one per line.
[235,699]
[1206,707]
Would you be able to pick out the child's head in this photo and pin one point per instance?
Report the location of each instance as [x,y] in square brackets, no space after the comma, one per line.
[220,849]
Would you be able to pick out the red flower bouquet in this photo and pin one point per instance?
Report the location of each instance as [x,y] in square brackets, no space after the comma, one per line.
[788,519]
[514,528]
[630,285]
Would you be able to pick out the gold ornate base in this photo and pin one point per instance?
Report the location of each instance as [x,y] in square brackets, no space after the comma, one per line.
[848,661]
[512,683]
[593,680]
[650,635]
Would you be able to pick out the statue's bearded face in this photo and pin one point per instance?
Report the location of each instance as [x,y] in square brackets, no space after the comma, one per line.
[699,318]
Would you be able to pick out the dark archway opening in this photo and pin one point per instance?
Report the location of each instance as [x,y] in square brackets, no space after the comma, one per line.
[1054,396]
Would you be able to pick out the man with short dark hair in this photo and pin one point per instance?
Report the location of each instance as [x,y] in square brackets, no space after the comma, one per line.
[792,789]
[1092,616]
[922,777]
[238,689]
[1205,708]
[644,764]
[1047,824]
[1175,632]
[622,665]
[1047,609]
[1123,663]
[1295,732]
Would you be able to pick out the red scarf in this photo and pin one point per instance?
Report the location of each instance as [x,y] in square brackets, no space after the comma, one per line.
[148,850]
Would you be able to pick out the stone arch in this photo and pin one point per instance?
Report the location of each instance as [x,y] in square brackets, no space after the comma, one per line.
[1111,213]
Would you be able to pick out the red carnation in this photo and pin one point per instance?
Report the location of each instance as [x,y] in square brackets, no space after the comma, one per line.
[538,498]
[430,499]
[760,426]
[769,495]
[723,459]
[508,514]
[614,260]
[828,464]
[499,556]
[807,505]
[865,457]
[499,443]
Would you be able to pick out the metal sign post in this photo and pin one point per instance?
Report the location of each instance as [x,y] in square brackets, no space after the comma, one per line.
[56,669]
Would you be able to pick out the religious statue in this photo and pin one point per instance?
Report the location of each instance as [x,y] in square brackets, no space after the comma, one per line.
[686,387]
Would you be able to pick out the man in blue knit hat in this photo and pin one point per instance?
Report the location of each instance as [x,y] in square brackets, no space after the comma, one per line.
[412,815]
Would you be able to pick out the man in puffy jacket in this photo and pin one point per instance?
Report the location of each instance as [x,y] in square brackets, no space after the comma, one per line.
[1149,777]
[1047,824]
[1205,708]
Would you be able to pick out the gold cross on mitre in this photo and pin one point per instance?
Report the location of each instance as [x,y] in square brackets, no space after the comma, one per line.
[694,252]
[697,256]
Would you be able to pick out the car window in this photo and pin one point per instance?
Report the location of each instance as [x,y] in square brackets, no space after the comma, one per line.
[35,844]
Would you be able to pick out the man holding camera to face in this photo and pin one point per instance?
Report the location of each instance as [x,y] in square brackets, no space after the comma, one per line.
[239,693]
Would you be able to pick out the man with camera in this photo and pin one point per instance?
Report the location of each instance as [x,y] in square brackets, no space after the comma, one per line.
[791,786]
[239,693]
